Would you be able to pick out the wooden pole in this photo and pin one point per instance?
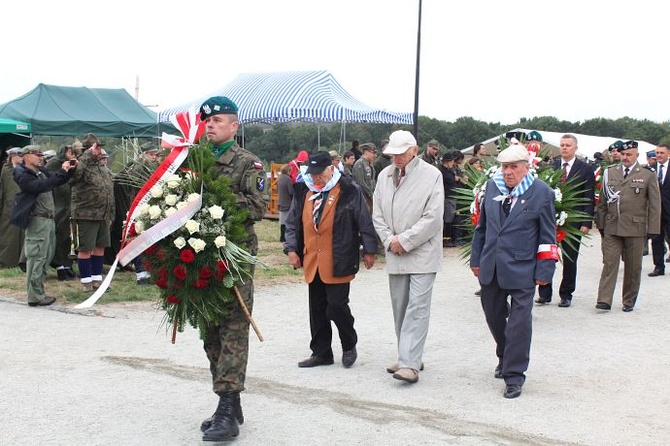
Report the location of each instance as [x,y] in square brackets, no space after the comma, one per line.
[247,314]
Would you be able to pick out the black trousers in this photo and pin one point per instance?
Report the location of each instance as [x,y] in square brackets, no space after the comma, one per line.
[330,302]
[658,245]
[511,327]
[568,285]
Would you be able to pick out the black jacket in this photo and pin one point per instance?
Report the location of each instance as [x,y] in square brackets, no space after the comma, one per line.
[352,227]
[32,184]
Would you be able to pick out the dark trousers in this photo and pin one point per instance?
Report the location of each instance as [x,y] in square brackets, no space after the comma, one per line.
[330,302]
[569,256]
[658,245]
[511,327]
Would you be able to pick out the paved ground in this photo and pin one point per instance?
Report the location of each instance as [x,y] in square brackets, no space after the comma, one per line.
[110,375]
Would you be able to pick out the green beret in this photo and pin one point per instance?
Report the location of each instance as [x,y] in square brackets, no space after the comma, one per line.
[217,105]
[534,136]
[616,145]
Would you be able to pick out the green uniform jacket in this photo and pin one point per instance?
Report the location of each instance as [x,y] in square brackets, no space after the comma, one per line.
[92,190]
[11,241]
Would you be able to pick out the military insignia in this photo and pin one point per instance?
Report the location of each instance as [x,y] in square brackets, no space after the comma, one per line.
[258,165]
[260,184]
[637,190]
[206,108]
[217,107]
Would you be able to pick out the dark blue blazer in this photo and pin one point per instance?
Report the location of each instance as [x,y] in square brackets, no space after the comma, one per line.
[582,173]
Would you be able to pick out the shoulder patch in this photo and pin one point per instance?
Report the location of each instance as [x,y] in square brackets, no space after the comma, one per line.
[260,184]
[258,165]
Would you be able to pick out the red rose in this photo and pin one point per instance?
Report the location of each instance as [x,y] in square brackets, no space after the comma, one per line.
[187,255]
[560,235]
[162,272]
[205,272]
[161,283]
[172,299]
[180,272]
[200,283]
[222,266]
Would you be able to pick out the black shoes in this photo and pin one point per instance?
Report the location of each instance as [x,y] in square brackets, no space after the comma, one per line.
[47,300]
[224,426]
[315,361]
[543,300]
[349,357]
[65,274]
[478,292]
[603,306]
[627,308]
[564,303]
[497,373]
[656,272]
[206,424]
[512,391]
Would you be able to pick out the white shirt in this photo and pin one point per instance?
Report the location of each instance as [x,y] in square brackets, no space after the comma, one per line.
[569,166]
[665,171]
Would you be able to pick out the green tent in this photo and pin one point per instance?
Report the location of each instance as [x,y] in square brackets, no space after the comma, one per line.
[11,126]
[73,111]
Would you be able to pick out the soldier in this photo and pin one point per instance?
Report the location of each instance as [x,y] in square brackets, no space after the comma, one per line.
[92,210]
[364,171]
[62,198]
[431,154]
[227,344]
[34,211]
[11,242]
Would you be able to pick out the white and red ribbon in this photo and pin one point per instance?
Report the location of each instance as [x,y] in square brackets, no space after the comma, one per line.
[547,252]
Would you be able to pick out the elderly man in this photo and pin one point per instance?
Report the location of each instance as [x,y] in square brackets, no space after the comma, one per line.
[431,155]
[629,209]
[326,226]
[513,250]
[407,214]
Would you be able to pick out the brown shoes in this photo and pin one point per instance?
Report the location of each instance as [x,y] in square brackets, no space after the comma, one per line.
[395,367]
[407,374]
[47,300]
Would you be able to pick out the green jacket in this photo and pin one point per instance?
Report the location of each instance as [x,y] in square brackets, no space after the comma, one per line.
[92,190]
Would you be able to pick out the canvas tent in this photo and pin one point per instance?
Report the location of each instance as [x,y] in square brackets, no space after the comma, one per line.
[71,111]
[587,145]
[294,96]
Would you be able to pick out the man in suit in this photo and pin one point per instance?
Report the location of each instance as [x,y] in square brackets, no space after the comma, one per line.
[629,208]
[513,250]
[580,173]
[658,241]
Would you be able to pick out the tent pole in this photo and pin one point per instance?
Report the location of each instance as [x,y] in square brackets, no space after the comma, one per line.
[416,80]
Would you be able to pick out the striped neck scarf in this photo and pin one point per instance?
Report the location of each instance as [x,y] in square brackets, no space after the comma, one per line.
[518,190]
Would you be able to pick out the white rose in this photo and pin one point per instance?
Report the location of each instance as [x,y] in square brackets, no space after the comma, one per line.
[197,244]
[171,199]
[193,197]
[156,191]
[216,212]
[173,182]
[220,241]
[558,195]
[179,242]
[170,211]
[144,209]
[139,227]
[192,226]
[181,205]
[154,212]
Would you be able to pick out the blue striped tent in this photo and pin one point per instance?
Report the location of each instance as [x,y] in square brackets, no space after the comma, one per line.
[313,96]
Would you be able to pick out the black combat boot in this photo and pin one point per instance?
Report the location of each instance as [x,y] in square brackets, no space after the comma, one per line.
[225,426]
[238,414]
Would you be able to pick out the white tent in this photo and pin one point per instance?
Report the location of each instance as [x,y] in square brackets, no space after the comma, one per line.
[587,145]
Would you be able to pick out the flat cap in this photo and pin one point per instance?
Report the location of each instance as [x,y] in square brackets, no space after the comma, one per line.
[513,154]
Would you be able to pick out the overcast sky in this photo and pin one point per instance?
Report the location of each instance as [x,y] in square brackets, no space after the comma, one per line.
[495,61]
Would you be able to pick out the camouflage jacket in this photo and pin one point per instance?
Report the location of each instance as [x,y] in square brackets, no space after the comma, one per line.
[247,181]
[92,190]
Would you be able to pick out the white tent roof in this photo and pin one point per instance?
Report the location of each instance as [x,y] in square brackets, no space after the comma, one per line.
[587,145]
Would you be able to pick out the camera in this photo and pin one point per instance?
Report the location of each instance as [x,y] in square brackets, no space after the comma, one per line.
[73,162]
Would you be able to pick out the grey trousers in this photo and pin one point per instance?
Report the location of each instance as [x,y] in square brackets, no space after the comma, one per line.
[39,248]
[410,299]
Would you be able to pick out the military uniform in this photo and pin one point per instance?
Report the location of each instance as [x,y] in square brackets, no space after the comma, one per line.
[633,211]
[364,175]
[11,242]
[430,160]
[62,196]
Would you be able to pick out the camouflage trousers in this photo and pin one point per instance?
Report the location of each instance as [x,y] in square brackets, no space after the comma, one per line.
[39,249]
[227,345]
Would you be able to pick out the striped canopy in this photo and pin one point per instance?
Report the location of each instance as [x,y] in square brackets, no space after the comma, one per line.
[294,96]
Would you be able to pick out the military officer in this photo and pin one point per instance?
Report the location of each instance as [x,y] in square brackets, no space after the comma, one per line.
[629,208]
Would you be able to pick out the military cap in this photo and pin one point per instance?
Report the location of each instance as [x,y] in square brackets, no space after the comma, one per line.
[598,156]
[35,150]
[217,105]
[433,143]
[616,145]
[89,140]
[515,135]
[513,154]
[148,147]
[629,145]
[318,162]
[14,151]
[49,154]
[534,136]
[367,146]
[651,154]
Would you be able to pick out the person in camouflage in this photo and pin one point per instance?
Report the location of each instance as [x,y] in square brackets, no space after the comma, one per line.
[61,260]
[227,344]
[11,242]
[92,211]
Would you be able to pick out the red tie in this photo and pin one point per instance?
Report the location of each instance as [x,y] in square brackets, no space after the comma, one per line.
[564,174]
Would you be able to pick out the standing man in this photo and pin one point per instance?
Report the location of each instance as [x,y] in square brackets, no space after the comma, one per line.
[628,209]
[11,241]
[335,158]
[34,211]
[431,155]
[658,241]
[92,210]
[356,150]
[227,344]
[62,197]
[327,224]
[295,164]
[284,199]
[581,174]
[513,250]
[408,207]
[348,160]
[364,171]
